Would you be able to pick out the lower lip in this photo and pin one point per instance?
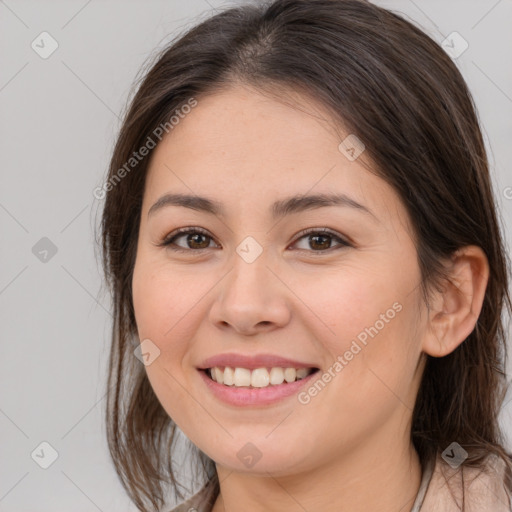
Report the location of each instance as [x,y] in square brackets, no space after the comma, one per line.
[245,396]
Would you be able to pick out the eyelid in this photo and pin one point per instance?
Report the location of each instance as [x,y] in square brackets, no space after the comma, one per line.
[342,240]
[166,242]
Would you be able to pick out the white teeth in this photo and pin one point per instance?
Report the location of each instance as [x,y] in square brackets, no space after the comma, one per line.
[276,376]
[257,378]
[260,378]
[290,374]
[242,377]
[229,378]
[218,375]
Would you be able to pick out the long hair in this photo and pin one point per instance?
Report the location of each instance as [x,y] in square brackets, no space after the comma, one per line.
[397,90]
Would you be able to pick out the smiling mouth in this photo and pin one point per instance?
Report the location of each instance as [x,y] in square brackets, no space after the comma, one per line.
[258,377]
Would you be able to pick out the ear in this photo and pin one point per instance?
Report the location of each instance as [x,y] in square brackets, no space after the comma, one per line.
[455,308]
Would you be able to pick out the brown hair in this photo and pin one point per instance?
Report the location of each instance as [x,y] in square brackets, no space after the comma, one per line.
[397,90]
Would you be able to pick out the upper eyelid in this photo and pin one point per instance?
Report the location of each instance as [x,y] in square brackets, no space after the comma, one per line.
[343,240]
[186,231]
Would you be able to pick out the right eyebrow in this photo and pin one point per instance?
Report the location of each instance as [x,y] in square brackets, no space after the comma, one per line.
[279,209]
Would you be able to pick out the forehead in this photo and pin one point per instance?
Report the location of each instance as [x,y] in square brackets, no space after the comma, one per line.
[250,130]
[240,144]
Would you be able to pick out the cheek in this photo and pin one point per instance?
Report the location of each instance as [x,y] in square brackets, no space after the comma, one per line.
[149,302]
[351,304]
[168,310]
[162,306]
[371,322]
[161,298]
[378,361]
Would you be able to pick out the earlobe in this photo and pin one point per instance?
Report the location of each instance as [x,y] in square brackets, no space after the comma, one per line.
[457,306]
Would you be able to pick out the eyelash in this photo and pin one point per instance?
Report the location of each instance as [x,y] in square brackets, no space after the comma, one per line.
[168,241]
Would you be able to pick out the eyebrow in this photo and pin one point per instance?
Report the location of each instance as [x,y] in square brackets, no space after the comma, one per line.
[279,209]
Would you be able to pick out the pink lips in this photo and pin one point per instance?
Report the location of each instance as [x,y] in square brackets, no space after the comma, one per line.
[248,396]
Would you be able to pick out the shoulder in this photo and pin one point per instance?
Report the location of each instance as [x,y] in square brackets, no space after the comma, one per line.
[484,489]
[472,488]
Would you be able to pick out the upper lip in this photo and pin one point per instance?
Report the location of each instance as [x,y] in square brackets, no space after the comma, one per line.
[253,361]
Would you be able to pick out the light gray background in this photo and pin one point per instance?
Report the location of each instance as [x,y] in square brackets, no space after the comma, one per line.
[59,119]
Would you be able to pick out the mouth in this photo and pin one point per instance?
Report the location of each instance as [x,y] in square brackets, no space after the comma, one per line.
[258,377]
[256,380]
[258,386]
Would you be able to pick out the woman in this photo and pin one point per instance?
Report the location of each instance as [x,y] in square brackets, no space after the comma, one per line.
[302,245]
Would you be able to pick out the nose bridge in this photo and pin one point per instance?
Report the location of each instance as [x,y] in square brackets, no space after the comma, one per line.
[251,296]
[250,276]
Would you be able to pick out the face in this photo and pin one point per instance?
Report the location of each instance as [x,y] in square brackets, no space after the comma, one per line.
[247,285]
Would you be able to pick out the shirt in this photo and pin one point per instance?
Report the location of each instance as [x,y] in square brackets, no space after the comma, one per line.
[440,490]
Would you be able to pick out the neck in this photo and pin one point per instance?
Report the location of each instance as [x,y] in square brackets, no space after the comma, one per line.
[379,474]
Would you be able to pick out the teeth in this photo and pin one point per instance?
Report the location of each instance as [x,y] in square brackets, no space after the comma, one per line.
[229,377]
[290,374]
[302,372]
[218,375]
[242,377]
[257,378]
[276,376]
[260,378]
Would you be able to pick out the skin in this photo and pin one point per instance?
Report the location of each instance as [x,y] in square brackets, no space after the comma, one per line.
[349,448]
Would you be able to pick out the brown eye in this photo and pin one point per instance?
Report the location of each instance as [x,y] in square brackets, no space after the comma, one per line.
[195,239]
[320,240]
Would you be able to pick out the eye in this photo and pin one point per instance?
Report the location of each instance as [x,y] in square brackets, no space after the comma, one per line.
[194,239]
[198,239]
[320,239]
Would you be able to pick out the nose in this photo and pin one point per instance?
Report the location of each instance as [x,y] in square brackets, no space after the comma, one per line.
[251,298]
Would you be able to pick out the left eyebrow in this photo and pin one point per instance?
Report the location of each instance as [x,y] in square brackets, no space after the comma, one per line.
[299,203]
[188,201]
[279,209]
